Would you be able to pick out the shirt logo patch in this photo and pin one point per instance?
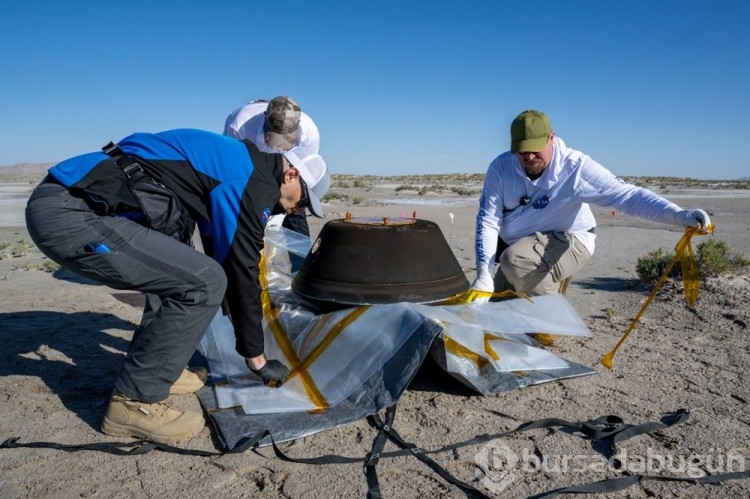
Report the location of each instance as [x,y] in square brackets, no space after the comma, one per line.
[265,216]
[541,202]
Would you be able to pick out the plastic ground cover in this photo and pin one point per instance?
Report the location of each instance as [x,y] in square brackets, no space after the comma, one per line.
[354,362]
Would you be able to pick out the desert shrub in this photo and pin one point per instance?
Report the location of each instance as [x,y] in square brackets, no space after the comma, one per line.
[713,256]
[461,191]
[4,251]
[360,183]
[330,196]
[650,267]
[430,188]
[50,266]
[21,248]
[716,258]
[29,266]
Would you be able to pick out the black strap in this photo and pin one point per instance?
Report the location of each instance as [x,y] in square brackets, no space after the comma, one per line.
[135,448]
[128,164]
[373,457]
[325,459]
[112,149]
[606,428]
[386,428]
[369,467]
[116,448]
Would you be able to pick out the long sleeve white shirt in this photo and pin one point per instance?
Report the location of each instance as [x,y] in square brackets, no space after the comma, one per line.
[557,201]
[247,123]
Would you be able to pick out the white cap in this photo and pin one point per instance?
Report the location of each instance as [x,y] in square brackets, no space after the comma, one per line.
[313,171]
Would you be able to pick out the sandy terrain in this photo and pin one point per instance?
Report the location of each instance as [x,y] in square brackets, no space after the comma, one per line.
[63,340]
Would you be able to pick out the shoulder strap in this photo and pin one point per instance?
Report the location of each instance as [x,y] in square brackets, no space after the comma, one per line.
[128,164]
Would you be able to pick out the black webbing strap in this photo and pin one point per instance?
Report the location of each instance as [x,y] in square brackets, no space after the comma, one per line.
[112,149]
[135,448]
[116,448]
[385,432]
[326,459]
[610,429]
[128,164]
[386,428]
[604,428]
[373,457]
[142,447]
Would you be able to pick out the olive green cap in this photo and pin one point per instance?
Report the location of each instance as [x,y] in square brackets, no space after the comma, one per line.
[529,132]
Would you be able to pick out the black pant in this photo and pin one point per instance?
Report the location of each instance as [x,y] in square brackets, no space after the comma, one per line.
[185,287]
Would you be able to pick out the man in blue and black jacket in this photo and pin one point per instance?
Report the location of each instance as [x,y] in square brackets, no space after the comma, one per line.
[125,216]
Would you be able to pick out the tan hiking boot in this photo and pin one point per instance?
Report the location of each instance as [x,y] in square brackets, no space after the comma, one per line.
[191,380]
[157,422]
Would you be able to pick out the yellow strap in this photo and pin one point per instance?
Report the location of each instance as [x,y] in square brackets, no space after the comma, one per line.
[684,252]
[488,347]
[691,279]
[459,350]
[471,295]
[334,332]
[271,314]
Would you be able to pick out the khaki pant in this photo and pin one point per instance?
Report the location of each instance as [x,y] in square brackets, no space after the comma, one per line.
[536,264]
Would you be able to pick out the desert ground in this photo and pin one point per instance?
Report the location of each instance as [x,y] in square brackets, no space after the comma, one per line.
[64,338]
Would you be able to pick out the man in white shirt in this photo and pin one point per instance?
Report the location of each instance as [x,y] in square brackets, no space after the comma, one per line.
[534,218]
[277,126]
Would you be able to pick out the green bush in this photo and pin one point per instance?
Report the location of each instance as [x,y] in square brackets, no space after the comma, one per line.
[713,256]
[22,248]
[4,252]
[716,258]
[50,266]
[464,192]
[650,267]
[330,196]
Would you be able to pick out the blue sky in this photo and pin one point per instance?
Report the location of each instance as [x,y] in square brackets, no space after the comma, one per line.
[396,87]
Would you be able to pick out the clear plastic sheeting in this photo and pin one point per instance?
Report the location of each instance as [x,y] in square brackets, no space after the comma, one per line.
[334,354]
[353,362]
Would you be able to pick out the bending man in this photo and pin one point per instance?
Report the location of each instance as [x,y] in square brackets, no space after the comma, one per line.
[124,217]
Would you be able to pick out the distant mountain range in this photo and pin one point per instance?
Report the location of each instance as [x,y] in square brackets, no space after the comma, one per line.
[39,169]
[35,169]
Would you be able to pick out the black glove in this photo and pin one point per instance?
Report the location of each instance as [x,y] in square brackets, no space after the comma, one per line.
[272,371]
